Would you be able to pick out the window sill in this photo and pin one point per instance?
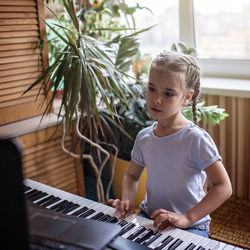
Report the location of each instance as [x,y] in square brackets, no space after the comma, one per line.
[225,87]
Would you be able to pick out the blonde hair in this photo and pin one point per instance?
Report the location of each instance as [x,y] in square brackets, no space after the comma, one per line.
[179,62]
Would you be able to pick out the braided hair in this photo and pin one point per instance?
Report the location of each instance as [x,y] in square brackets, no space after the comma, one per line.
[179,62]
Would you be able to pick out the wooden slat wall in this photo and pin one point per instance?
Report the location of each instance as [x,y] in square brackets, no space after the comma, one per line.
[20,58]
[45,162]
[232,137]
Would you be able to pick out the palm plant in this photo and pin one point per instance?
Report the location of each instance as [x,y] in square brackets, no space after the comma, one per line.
[93,76]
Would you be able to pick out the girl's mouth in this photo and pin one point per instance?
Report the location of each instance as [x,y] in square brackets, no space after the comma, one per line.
[155,110]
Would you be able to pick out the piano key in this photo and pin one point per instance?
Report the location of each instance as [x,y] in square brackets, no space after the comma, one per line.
[87,213]
[191,246]
[97,216]
[175,244]
[228,247]
[51,202]
[151,239]
[189,239]
[58,206]
[164,243]
[113,220]
[38,196]
[70,208]
[169,231]
[31,193]
[212,244]
[202,243]
[127,228]
[106,218]
[197,240]
[201,248]
[26,188]
[80,211]
[136,233]
[145,235]
[123,223]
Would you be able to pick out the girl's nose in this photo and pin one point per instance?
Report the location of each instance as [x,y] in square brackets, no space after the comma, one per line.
[157,99]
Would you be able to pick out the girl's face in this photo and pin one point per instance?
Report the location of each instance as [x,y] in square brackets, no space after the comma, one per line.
[166,93]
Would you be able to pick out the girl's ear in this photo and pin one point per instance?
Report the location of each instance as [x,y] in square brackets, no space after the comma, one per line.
[188,97]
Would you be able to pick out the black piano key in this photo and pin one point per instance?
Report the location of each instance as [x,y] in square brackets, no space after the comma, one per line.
[151,239]
[31,193]
[38,196]
[71,208]
[145,235]
[80,211]
[87,213]
[26,188]
[57,205]
[191,246]
[97,216]
[63,206]
[201,248]
[42,201]
[51,201]
[105,218]
[126,228]
[123,223]
[175,244]
[113,220]
[66,206]
[136,233]
[164,242]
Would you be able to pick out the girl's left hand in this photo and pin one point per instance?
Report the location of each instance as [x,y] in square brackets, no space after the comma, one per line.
[163,218]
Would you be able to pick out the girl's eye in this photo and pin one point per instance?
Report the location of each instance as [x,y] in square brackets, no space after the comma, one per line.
[151,89]
[168,94]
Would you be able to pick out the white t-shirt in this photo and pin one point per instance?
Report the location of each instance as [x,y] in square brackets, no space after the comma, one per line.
[175,168]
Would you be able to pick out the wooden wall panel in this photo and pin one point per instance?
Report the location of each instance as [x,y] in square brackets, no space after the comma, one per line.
[232,138]
[45,162]
[21,60]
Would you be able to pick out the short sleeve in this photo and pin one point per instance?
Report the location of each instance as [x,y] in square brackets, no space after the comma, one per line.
[206,151]
[136,153]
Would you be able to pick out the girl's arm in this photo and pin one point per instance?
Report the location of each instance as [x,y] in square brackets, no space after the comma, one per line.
[221,190]
[129,187]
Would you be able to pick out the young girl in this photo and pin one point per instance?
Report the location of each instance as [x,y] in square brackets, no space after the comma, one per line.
[177,153]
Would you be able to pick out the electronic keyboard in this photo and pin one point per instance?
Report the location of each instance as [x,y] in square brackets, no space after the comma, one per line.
[136,233]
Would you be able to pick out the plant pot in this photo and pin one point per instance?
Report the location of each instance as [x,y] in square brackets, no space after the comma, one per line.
[120,169]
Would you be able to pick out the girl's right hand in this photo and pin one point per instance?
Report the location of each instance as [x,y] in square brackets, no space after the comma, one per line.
[124,208]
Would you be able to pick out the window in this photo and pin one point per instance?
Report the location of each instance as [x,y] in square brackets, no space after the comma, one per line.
[218,30]
[166,15]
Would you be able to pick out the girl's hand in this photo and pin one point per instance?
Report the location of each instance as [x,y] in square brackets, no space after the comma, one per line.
[124,208]
[163,218]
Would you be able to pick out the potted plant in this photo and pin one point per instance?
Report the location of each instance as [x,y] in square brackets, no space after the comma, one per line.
[92,74]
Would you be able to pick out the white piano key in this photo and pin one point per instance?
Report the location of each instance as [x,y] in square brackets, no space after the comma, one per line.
[213,244]
[187,240]
[220,246]
[228,247]
[196,239]
[202,242]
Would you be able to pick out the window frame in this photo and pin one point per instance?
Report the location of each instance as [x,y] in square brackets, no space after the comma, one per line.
[210,67]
